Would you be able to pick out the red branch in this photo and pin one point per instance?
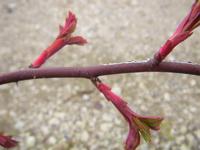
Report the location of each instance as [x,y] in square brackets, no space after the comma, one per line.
[99,70]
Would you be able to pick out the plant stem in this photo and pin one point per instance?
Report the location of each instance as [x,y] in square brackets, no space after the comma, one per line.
[99,70]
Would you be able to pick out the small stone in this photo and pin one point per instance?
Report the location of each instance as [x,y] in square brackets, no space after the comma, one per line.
[52,140]
[143,108]
[4,87]
[117,121]
[167,145]
[193,109]
[167,96]
[30,141]
[84,109]
[45,88]
[3,112]
[85,136]
[13,114]
[61,115]
[190,139]
[116,89]
[85,97]
[180,139]
[143,147]
[11,7]
[54,122]
[171,58]
[106,117]
[44,130]
[198,133]
[105,127]
[184,147]
[183,129]
[19,125]
[192,82]
[134,3]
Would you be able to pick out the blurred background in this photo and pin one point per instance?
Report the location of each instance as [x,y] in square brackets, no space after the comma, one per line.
[69,114]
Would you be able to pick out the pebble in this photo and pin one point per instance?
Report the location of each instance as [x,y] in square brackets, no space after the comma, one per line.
[184,147]
[30,141]
[183,129]
[144,147]
[85,136]
[52,140]
[116,89]
[11,7]
[105,127]
[167,97]
[45,88]
[54,122]
[61,115]
[193,109]
[45,130]
[3,112]
[180,139]
[106,117]
[19,125]
[167,145]
[190,139]
[198,133]
[13,114]
[85,97]
[192,82]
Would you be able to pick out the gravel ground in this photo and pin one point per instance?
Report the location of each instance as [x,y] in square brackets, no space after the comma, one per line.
[68,114]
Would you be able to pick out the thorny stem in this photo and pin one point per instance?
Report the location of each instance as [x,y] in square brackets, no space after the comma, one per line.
[99,70]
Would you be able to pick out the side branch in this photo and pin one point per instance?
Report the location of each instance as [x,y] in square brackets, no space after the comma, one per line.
[99,70]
